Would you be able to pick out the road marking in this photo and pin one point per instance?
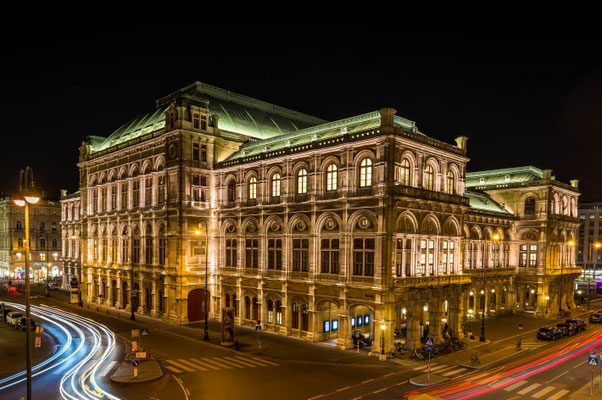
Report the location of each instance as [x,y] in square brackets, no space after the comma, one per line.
[207,360]
[514,386]
[557,377]
[261,364]
[474,378]
[343,388]
[454,372]
[172,369]
[192,365]
[180,365]
[369,380]
[424,367]
[108,368]
[543,392]
[232,363]
[241,362]
[559,395]
[186,392]
[197,361]
[381,390]
[529,388]
[263,361]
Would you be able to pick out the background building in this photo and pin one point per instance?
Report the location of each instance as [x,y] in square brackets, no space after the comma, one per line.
[315,228]
[589,258]
[45,240]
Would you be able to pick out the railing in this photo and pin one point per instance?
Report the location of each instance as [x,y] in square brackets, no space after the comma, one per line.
[436,280]
[490,271]
[411,191]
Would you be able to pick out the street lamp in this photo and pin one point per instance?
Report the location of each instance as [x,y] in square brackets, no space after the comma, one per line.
[81,264]
[200,232]
[496,237]
[547,303]
[27,196]
[591,246]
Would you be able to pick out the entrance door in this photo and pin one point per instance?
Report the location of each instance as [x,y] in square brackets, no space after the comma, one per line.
[196,305]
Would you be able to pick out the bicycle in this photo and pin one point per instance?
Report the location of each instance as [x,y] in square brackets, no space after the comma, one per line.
[418,355]
[474,360]
[519,345]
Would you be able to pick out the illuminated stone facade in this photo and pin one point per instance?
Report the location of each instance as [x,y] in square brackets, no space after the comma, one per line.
[315,228]
[45,240]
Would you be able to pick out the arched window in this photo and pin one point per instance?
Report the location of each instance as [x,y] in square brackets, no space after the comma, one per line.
[331,177]
[429,178]
[302,181]
[232,191]
[252,188]
[404,176]
[530,206]
[451,182]
[366,172]
[276,185]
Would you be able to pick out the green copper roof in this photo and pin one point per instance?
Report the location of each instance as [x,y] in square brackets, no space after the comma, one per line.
[503,176]
[238,113]
[481,201]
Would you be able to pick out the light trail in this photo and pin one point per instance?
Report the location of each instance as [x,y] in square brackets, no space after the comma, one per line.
[89,357]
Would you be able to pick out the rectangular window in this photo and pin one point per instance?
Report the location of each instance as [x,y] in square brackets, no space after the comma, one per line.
[231,252]
[161,192]
[114,197]
[148,247]
[329,249]
[275,254]
[105,250]
[104,198]
[148,191]
[363,256]
[135,193]
[195,152]
[136,251]
[161,251]
[124,195]
[301,255]
[252,253]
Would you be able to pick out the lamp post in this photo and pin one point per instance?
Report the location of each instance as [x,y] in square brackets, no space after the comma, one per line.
[547,303]
[25,197]
[495,238]
[589,292]
[382,339]
[199,232]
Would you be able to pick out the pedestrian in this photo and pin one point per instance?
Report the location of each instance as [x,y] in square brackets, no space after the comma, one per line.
[236,344]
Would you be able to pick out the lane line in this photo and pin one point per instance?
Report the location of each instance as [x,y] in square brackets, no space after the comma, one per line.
[454,372]
[557,377]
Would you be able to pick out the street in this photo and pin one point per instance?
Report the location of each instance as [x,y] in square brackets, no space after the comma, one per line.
[90,346]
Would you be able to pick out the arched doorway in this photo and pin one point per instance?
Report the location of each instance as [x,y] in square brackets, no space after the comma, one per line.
[362,321]
[136,297]
[196,304]
[329,315]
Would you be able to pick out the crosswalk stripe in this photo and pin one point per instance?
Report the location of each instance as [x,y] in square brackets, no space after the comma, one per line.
[261,364]
[192,365]
[172,369]
[232,363]
[180,365]
[197,361]
[474,378]
[240,362]
[558,395]
[454,372]
[514,386]
[442,368]
[529,388]
[207,360]
[543,392]
[424,367]
[263,361]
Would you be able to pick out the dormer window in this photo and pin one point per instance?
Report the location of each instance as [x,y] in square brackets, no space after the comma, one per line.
[507,178]
[481,180]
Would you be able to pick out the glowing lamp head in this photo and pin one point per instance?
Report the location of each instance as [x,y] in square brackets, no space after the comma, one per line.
[32,199]
[571,242]
[496,236]
[20,203]
[597,245]
[383,327]
[198,232]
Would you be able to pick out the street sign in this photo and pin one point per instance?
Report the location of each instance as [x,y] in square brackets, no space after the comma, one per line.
[471,337]
[135,333]
[38,341]
[134,346]
[144,332]
[39,329]
[520,326]
[429,348]
[429,341]
[592,352]
[593,361]
[135,363]
[141,354]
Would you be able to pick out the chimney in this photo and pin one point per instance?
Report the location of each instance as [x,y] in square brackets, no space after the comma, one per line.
[575,183]
[63,193]
[214,120]
[461,142]
[547,174]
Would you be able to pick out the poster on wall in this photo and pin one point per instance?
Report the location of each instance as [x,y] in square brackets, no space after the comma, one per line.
[227,326]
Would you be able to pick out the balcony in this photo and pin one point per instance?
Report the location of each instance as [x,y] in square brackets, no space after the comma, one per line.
[410,191]
[478,272]
[436,280]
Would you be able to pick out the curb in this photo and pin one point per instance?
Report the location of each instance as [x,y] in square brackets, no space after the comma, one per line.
[138,379]
[421,380]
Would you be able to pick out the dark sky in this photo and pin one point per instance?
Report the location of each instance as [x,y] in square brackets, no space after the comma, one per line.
[520,102]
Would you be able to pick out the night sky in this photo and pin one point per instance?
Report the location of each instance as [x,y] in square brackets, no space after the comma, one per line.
[520,102]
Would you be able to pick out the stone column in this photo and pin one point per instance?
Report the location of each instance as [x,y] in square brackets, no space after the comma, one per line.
[435,326]
[344,341]
[455,322]
[413,332]
[155,303]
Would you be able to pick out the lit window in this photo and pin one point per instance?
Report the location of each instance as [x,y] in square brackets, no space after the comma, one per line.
[429,177]
[405,172]
[331,177]
[451,182]
[276,185]
[252,188]
[366,172]
[302,181]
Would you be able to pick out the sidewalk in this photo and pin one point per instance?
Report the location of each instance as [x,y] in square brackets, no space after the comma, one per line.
[145,371]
